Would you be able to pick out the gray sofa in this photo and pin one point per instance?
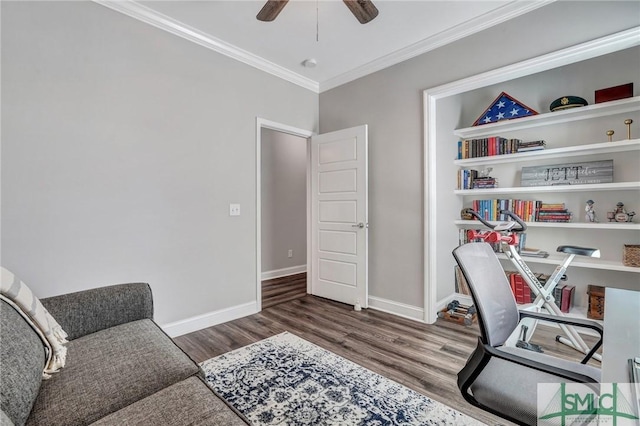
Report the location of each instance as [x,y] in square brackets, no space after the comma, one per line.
[121,368]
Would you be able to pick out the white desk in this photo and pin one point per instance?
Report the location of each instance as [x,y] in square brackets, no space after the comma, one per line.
[621,333]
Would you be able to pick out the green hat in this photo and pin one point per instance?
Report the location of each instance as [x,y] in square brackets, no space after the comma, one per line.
[567,102]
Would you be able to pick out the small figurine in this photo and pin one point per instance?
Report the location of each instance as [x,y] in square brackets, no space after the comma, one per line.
[590,214]
[621,215]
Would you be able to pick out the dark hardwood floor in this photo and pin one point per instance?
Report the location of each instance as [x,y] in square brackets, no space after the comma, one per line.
[283,289]
[423,357]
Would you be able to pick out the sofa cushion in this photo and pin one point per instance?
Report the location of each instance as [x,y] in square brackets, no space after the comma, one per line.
[109,370]
[187,402]
[22,358]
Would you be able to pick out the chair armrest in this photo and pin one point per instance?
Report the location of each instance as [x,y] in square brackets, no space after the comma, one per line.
[88,311]
[526,362]
[569,321]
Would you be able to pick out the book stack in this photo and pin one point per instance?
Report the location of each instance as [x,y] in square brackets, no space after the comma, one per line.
[531,146]
[485,182]
[553,213]
[484,147]
[468,179]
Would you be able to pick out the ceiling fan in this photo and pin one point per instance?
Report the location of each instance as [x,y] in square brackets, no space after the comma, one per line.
[363,10]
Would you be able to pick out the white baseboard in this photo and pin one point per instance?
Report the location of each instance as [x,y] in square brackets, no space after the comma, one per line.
[396,308]
[277,273]
[178,328]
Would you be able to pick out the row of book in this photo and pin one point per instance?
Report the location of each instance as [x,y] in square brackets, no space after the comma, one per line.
[469,179]
[490,209]
[495,145]
[527,210]
[562,293]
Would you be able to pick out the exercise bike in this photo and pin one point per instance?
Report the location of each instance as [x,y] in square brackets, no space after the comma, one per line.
[507,234]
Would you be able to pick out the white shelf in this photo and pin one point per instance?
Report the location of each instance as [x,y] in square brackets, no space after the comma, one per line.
[569,151]
[574,114]
[580,262]
[617,186]
[617,226]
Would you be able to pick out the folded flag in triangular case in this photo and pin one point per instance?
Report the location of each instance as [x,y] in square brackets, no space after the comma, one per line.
[504,107]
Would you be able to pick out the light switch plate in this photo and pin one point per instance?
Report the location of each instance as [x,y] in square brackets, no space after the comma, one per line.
[234,209]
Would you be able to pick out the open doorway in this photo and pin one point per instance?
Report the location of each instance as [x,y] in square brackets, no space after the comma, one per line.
[336,213]
[282,208]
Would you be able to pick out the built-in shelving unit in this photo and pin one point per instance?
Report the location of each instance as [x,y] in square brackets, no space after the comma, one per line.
[597,150]
[572,135]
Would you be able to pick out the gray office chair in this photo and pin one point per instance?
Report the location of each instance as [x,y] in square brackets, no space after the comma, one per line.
[503,380]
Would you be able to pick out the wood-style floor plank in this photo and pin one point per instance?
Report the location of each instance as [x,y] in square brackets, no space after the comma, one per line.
[423,357]
[283,289]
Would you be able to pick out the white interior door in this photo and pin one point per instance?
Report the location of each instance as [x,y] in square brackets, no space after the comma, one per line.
[339,228]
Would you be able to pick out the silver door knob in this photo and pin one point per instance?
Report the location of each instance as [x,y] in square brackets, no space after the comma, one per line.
[359,225]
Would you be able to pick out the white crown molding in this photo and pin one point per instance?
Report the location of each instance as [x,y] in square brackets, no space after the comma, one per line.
[173,26]
[495,17]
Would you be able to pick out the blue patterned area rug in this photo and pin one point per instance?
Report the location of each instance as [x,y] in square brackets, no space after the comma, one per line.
[285,380]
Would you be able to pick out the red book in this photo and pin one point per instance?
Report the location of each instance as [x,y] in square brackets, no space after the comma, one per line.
[519,289]
[567,298]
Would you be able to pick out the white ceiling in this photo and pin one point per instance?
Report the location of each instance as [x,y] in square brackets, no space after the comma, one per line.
[324,30]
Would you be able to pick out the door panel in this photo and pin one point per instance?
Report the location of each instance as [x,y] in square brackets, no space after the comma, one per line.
[339,231]
[344,242]
[338,181]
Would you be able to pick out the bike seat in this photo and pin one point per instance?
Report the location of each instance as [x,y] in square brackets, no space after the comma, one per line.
[581,251]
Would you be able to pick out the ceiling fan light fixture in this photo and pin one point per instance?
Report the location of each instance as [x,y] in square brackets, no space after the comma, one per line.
[363,10]
[309,63]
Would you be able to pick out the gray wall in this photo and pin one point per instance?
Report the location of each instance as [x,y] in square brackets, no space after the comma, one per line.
[283,199]
[390,101]
[122,147]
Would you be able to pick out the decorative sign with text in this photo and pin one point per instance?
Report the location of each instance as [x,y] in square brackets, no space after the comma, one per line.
[568,174]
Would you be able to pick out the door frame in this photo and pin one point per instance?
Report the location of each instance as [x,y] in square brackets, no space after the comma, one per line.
[262,123]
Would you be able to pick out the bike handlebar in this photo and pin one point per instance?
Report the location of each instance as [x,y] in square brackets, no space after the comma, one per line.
[521,225]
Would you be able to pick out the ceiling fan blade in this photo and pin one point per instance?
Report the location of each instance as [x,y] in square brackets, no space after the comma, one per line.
[363,10]
[271,10]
